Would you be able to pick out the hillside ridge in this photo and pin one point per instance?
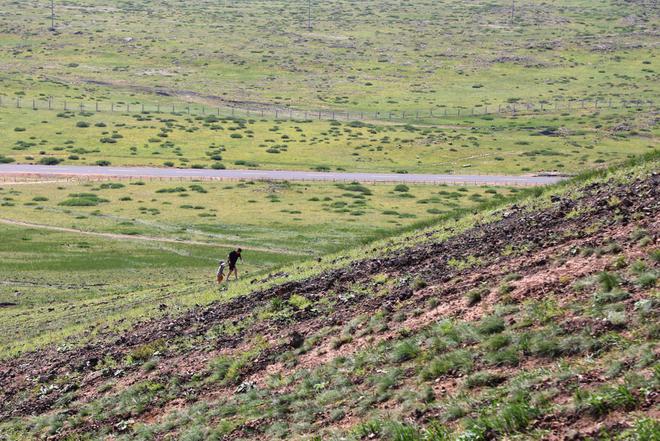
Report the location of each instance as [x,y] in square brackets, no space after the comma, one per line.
[526,255]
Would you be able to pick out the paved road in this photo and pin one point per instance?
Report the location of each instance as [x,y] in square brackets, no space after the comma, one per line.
[256,175]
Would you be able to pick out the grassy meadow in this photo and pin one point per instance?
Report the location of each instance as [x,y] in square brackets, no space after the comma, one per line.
[293,218]
[55,283]
[566,143]
[371,55]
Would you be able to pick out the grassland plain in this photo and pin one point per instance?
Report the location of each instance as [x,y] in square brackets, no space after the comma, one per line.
[98,253]
[482,144]
[368,55]
[526,321]
[304,219]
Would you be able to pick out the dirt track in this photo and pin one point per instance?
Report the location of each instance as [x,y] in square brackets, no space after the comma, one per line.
[137,237]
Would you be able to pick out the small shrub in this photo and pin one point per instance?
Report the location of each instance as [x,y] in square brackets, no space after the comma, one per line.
[103,163]
[418,283]
[474,296]
[608,281]
[49,160]
[491,325]
[647,280]
[601,402]
[82,200]
[484,378]
[459,361]
[405,351]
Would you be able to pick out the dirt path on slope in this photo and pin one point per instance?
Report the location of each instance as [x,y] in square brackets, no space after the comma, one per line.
[117,236]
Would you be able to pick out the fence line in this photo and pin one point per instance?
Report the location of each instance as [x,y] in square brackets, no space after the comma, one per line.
[209,112]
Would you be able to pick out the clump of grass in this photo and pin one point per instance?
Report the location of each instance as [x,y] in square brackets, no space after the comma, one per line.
[418,283]
[602,401]
[647,280]
[610,297]
[474,296]
[405,351]
[491,325]
[146,351]
[82,200]
[507,418]
[459,361]
[484,378]
[341,341]
[608,281]
[299,302]
[497,342]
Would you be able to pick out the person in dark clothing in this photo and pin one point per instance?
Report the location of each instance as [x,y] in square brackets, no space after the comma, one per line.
[233,259]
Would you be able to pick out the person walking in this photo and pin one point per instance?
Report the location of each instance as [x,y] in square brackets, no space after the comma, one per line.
[233,260]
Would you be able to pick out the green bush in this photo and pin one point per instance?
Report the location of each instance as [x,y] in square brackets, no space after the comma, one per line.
[82,200]
[49,160]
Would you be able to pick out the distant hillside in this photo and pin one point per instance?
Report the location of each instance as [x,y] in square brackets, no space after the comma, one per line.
[533,320]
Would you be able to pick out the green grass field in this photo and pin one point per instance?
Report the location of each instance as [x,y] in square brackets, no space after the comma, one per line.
[482,144]
[368,55]
[294,218]
[56,283]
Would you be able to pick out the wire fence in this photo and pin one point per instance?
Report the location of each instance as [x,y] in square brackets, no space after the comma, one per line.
[212,112]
